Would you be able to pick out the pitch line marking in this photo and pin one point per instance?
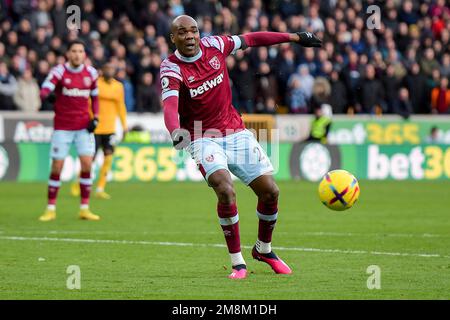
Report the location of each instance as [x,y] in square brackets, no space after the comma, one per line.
[190,244]
[311,233]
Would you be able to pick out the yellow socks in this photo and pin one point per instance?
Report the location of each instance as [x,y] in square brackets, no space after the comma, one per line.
[107,164]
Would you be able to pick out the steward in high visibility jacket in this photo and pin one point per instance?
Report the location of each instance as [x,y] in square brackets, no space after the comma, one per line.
[320,126]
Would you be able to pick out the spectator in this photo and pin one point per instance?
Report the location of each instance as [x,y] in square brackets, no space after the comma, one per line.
[41,17]
[390,85]
[266,89]
[321,93]
[148,97]
[20,8]
[356,43]
[351,76]
[445,67]
[403,105]
[12,43]
[128,88]
[8,87]
[88,12]
[246,87]
[440,98]
[59,18]
[297,100]
[435,136]
[314,22]
[153,15]
[407,13]
[428,62]
[416,83]
[310,61]
[370,92]
[24,34]
[285,68]
[338,95]
[305,79]
[27,97]
[41,44]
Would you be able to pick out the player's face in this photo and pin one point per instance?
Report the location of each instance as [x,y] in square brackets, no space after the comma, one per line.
[76,55]
[186,38]
[109,71]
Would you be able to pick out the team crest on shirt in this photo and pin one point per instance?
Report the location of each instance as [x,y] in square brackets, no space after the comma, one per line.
[210,158]
[87,81]
[164,83]
[67,80]
[215,63]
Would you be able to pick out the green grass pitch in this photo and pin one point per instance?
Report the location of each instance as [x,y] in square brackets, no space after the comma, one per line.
[163,241]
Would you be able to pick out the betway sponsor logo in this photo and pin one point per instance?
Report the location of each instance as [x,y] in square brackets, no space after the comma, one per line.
[209,84]
[32,131]
[75,92]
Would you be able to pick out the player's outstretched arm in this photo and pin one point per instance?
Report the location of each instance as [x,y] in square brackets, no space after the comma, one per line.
[265,38]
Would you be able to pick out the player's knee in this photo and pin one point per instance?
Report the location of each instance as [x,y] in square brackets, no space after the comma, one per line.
[225,193]
[57,166]
[86,164]
[271,195]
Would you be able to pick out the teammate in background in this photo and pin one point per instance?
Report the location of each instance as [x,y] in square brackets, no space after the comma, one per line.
[74,84]
[111,101]
[196,88]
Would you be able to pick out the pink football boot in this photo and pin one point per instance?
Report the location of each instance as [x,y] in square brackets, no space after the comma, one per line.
[278,265]
[239,272]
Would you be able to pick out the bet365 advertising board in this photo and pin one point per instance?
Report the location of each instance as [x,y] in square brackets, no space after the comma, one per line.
[371,148]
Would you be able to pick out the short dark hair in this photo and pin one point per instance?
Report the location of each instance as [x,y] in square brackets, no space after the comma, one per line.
[74,42]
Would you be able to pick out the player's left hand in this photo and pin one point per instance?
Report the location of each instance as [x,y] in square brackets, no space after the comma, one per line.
[309,39]
[92,125]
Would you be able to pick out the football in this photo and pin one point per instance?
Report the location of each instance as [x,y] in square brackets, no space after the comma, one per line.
[339,190]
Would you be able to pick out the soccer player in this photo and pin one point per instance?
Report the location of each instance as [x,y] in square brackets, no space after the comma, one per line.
[74,84]
[111,100]
[111,105]
[196,93]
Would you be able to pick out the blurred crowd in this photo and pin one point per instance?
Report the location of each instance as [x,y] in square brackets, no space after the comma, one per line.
[395,62]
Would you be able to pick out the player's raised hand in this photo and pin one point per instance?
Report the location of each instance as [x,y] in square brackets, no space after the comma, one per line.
[180,138]
[309,39]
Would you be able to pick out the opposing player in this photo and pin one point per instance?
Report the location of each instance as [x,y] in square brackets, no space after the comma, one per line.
[200,117]
[112,106]
[74,84]
[111,100]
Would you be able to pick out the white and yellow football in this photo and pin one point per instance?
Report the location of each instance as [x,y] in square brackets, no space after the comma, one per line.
[339,190]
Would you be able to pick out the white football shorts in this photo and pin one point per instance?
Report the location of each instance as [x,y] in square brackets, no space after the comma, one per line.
[63,139]
[240,153]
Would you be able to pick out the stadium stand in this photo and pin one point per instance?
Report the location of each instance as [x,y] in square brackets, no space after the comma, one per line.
[359,69]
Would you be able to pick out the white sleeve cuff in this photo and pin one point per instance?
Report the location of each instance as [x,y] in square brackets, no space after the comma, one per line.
[171,93]
[49,85]
[237,43]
